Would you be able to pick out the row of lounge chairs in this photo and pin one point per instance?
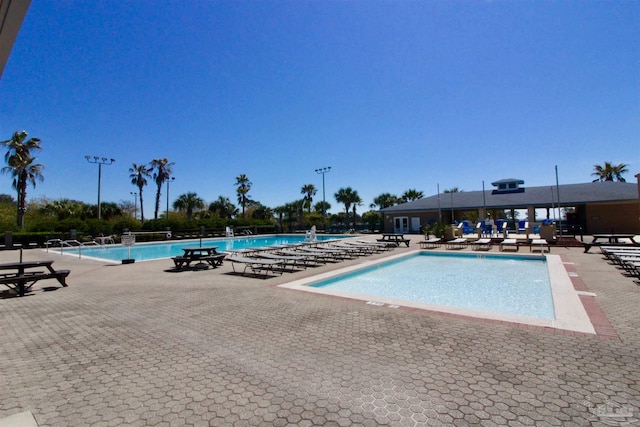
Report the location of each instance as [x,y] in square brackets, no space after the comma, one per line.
[625,257]
[282,258]
[485,244]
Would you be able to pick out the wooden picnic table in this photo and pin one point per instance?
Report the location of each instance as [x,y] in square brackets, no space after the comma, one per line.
[20,276]
[611,239]
[202,254]
[396,238]
[614,238]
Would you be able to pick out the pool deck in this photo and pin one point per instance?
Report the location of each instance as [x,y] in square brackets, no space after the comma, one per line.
[139,345]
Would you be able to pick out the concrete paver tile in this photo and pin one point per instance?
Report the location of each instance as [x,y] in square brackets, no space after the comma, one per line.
[134,345]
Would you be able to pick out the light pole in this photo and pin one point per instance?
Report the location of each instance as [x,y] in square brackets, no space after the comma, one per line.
[135,204]
[99,161]
[323,171]
[169,180]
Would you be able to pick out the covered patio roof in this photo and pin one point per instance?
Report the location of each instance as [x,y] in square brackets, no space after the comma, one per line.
[537,197]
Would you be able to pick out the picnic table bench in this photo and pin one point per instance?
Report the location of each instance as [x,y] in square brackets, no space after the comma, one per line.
[20,276]
[205,255]
[394,238]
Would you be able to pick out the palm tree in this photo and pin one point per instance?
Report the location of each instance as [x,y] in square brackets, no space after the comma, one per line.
[411,195]
[280,211]
[356,201]
[244,185]
[347,196]
[139,175]
[384,200]
[290,210]
[453,190]
[610,172]
[188,202]
[162,173]
[322,206]
[223,207]
[309,190]
[21,165]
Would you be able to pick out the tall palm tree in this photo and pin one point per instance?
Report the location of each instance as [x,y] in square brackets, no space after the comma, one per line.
[610,172]
[162,173]
[243,186]
[21,165]
[309,190]
[384,200]
[347,197]
[139,175]
[188,202]
[411,195]
[355,201]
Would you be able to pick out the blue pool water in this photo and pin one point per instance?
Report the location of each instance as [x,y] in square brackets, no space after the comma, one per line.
[149,251]
[509,285]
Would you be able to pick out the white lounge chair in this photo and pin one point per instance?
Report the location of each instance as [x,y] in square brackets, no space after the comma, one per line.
[432,243]
[511,243]
[456,243]
[256,265]
[481,244]
[541,244]
[291,260]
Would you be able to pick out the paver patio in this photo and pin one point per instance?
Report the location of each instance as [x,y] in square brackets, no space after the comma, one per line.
[136,345]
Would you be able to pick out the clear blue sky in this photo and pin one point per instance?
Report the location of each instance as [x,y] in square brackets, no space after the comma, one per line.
[392,95]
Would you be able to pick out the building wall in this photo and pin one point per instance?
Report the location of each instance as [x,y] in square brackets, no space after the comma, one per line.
[616,217]
[425,218]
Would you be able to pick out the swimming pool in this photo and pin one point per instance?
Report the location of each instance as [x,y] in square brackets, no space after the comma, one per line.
[151,251]
[514,288]
[511,285]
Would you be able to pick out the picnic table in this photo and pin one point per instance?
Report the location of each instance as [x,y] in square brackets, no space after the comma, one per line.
[396,238]
[614,238]
[20,276]
[204,255]
[611,239]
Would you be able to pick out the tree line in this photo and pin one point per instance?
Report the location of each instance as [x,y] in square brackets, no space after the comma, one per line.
[24,169]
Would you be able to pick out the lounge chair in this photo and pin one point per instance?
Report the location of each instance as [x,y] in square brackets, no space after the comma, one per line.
[359,248]
[542,244]
[256,265]
[316,258]
[336,254]
[432,243]
[375,247]
[504,228]
[481,244]
[467,228]
[511,243]
[386,245]
[228,232]
[292,260]
[458,243]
